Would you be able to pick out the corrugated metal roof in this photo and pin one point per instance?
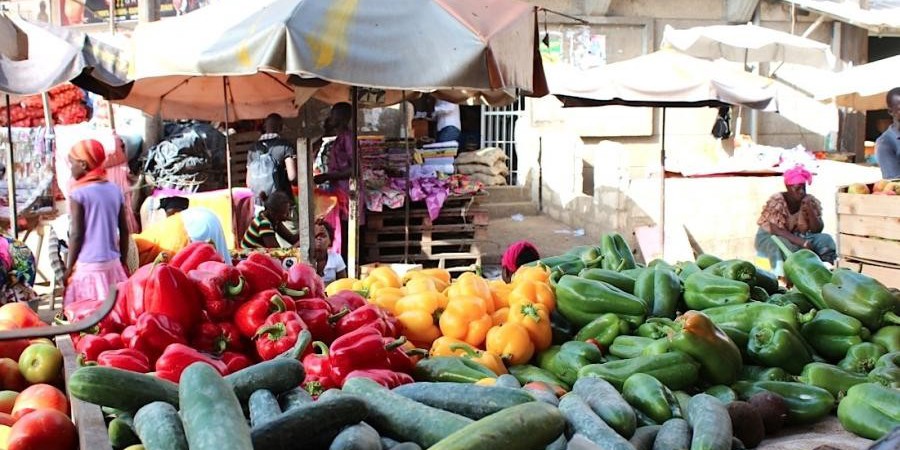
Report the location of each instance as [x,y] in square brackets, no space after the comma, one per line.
[882,18]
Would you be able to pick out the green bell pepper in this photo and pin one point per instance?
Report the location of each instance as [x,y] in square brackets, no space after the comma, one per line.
[646,394]
[616,252]
[629,346]
[617,279]
[806,272]
[831,333]
[723,393]
[553,261]
[861,358]
[657,347]
[757,373]
[704,290]
[830,377]
[526,373]
[563,330]
[792,298]
[676,370]
[887,371]
[734,269]
[806,404]
[590,255]
[564,361]
[685,269]
[888,337]
[758,294]
[767,280]
[774,343]
[657,327]
[660,264]
[603,329]
[634,273]
[705,260]
[740,338]
[581,301]
[744,316]
[862,297]
[453,369]
[719,358]
[661,289]
[870,410]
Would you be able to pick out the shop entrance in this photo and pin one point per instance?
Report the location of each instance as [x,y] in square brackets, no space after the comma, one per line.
[498,130]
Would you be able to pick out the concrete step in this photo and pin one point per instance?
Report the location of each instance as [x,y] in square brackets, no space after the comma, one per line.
[505,194]
[506,209]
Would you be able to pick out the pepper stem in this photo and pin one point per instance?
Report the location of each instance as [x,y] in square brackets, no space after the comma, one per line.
[337,316]
[322,347]
[235,290]
[294,292]
[396,343]
[787,253]
[466,348]
[275,331]
[280,306]
[891,317]
[417,352]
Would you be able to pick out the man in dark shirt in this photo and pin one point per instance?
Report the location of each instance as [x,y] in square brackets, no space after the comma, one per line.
[887,147]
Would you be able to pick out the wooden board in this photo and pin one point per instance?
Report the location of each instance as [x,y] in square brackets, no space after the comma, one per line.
[92,434]
[879,226]
[889,276]
[869,248]
[868,205]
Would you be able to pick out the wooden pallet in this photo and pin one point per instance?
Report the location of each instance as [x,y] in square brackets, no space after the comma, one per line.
[453,262]
[869,231]
[889,275]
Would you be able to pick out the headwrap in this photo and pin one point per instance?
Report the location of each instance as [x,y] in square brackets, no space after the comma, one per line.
[797,175]
[92,153]
[174,203]
[511,255]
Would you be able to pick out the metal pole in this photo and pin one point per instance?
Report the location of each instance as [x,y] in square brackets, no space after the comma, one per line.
[541,174]
[662,187]
[405,136]
[228,155]
[112,16]
[11,175]
[353,220]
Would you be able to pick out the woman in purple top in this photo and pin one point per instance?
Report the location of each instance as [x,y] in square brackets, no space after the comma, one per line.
[338,161]
[98,232]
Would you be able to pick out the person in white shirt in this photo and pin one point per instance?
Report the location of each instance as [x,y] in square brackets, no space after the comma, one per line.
[448,122]
[329,265]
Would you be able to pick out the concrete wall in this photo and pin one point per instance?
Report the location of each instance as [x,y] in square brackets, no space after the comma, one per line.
[601,165]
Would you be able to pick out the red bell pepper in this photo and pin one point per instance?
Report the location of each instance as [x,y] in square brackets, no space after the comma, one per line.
[134,291]
[369,315]
[402,356]
[125,359]
[385,377]
[235,361]
[113,322]
[153,333]
[196,253]
[318,370]
[217,337]
[169,292]
[128,334]
[253,313]
[303,276]
[221,287]
[346,299]
[178,357]
[262,272]
[114,339]
[317,315]
[90,346]
[278,334]
[359,349]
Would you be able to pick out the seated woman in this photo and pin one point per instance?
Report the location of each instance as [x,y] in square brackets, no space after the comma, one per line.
[329,265]
[181,226]
[796,218]
[268,225]
[516,255]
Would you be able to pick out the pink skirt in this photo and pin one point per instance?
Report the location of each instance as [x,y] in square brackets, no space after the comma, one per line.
[91,281]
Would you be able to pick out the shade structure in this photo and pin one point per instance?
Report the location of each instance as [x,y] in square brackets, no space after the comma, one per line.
[864,87]
[748,43]
[43,56]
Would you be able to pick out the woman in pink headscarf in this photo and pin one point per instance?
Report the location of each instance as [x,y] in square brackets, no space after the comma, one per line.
[516,255]
[796,218]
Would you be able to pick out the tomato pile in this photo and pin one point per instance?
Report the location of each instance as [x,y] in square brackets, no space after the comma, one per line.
[66,105]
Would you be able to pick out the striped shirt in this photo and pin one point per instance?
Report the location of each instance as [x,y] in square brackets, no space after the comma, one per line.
[258,229]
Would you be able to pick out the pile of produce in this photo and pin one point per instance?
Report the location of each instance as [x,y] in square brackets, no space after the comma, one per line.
[881,187]
[66,105]
[586,350]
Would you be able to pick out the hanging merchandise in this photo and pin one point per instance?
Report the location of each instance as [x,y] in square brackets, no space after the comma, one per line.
[66,106]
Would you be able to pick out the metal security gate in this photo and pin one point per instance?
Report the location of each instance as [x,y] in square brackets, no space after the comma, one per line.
[498,130]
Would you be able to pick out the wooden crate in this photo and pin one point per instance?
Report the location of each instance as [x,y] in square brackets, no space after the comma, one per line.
[868,228]
[887,275]
[92,434]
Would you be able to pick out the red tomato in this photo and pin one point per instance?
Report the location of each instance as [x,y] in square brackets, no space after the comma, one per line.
[20,314]
[43,430]
[39,397]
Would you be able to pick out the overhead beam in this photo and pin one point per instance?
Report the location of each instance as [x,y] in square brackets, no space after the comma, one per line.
[740,11]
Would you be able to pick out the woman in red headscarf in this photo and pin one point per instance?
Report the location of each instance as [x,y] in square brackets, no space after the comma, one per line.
[516,255]
[98,230]
[796,218]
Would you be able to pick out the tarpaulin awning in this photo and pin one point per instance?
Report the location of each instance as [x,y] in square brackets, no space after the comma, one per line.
[864,87]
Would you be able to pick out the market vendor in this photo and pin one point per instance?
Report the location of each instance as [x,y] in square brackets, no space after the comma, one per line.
[268,225]
[887,147]
[516,255]
[182,225]
[796,218]
[333,168]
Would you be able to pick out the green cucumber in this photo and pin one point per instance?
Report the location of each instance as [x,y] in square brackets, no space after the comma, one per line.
[263,407]
[529,426]
[276,375]
[507,380]
[644,437]
[582,420]
[646,394]
[120,389]
[121,434]
[357,437]
[305,423]
[607,403]
[400,417]
[675,434]
[159,427]
[406,446]
[294,398]
[710,423]
[465,399]
[211,412]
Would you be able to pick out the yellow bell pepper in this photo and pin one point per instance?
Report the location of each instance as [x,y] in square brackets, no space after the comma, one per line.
[419,315]
[486,382]
[381,277]
[421,284]
[466,318]
[387,297]
[343,284]
[440,277]
[469,284]
[442,347]
[533,292]
[533,273]
[500,316]
[511,342]
[500,293]
[440,274]
[536,320]
[447,346]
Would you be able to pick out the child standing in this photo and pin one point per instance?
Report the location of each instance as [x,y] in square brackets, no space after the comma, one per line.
[329,265]
[98,231]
